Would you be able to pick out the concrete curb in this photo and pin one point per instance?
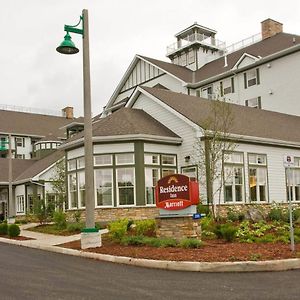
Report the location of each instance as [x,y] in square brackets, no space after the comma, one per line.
[245,266]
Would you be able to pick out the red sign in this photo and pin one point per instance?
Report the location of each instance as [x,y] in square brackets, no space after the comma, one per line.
[176,191]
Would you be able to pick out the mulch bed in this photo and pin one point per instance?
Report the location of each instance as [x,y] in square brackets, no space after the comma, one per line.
[17,238]
[212,251]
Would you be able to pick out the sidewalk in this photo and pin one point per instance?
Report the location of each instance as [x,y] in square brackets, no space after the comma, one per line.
[47,242]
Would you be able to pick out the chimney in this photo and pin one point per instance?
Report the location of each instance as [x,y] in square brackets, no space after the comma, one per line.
[68,112]
[269,28]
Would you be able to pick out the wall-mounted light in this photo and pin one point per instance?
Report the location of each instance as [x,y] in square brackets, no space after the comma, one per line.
[187,158]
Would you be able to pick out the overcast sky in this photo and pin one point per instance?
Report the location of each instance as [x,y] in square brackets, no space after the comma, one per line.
[33,74]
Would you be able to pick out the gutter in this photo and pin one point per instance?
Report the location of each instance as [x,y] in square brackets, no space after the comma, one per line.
[123,138]
[261,61]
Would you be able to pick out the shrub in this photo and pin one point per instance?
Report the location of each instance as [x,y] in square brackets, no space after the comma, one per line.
[268,238]
[275,214]
[13,230]
[59,218]
[3,228]
[77,216]
[75,227]
[145,227]
[135,240]
[190,243]
[228,232]
[217,231]
[232,215]
[118,229]
[203,209]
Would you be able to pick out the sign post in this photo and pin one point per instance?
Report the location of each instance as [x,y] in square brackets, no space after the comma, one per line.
[288,162]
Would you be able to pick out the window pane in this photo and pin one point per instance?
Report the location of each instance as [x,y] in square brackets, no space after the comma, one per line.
[72,190]
[80,162]
[190,172]
[228,193]
[71,164]
[168,160]
[238,193]
[127,158]
[125,181]
[81,186]
[103,160]
[151,178]
[166,172]
[252,181]
[151,159]
[103,179]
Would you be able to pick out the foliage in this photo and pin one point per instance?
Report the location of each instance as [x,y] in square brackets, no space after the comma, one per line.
[145,227]
[234,215]
[42,211]
[59,219]
[217,231]
[118,229]
[275,214]
[3,228]
[255,256]
[190,243]
[135,240]
[58,183]
[210,149]
[140,240]
[13,230]
[228,232]
[75,227]
[203,209]
[77,216]
[267,238]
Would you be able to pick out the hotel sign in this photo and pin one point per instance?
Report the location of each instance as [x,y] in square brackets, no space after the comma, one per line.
[176,191]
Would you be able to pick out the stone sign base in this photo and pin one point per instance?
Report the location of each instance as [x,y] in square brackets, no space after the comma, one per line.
[90,240]
[178,227]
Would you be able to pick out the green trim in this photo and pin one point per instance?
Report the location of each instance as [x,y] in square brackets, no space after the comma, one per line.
[89,230]
[139,173]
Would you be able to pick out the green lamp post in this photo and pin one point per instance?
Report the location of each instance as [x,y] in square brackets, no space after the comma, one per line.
[90,237]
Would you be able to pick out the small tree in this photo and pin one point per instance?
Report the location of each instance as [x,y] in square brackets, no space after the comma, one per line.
[211,147]
[58,183]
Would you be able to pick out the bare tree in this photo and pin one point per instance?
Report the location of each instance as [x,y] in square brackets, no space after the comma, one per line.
[211,147]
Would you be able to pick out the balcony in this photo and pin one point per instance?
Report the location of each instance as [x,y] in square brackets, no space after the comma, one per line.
[200,38]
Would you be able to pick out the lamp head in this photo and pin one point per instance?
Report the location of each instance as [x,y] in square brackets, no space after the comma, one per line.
[67,46]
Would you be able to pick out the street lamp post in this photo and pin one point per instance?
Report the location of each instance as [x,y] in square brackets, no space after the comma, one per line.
[68,47]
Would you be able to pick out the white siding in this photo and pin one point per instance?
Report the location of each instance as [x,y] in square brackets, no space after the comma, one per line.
[114,148]
[173,122]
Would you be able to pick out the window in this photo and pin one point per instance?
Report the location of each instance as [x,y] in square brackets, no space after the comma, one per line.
[48,145]
[191,56]
[54,145]
[20,204]
[293,181]
[80,162]
[43,146]
[254,102]
[72,190]
[20,142]
[72,165]
[104,187]
[81,188]
[183,59]
[30,204]
[20,156]
[207,92]
[258,177]
[168,160]
[228,86]
[125,186]
[234,177]
[151,177]
[251,78]
[125,159]
[37,147]
[166,172]
[151,159]
[190,171]
[103,160]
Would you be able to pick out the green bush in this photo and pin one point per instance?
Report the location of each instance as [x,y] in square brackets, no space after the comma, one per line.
[59,219]
[145,227]
[232,215]
[77,216]
[75,227]
[228,232]
[135,240]
[118,229]
[203,209]
[275,214]
[190,243]
[217,231]
[3,229]
[267,238]
[13,230]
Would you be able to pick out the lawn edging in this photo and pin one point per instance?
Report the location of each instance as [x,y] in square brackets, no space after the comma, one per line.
[239,266]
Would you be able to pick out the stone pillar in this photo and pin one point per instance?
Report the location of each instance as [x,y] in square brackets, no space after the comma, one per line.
[178,227]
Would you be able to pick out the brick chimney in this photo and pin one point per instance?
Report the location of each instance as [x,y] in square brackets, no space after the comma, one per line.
[270,27]
[68,112]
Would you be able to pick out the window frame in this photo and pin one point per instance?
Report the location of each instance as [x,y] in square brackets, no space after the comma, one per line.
[118,187]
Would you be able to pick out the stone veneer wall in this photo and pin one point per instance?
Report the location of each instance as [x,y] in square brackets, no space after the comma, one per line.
[111,214]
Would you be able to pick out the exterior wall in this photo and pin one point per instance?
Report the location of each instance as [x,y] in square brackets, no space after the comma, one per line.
[173,122]
[166,80]
[278,88]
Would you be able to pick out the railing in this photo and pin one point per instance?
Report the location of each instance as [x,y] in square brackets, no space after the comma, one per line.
[30,110]
[244,43]
[195,37]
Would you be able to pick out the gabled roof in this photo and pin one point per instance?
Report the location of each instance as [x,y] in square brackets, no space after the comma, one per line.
[127,122]
[262,49]
[247,121]
[40,166]
[18,167]
[30,124]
